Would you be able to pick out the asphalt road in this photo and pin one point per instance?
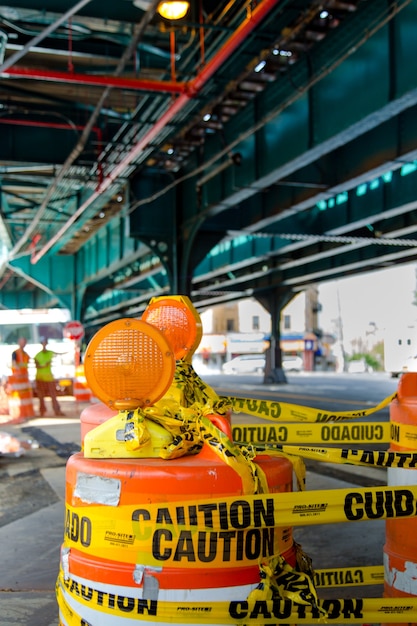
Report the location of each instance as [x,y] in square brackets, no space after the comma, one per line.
[332,393]
[326,390]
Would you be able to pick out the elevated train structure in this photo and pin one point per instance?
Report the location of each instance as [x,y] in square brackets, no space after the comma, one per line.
[252,148]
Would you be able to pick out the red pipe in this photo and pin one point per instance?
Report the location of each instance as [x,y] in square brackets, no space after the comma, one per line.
[70,63]
[118,82]
[7,120]
[172,48]
[201,20]
[238,36]
[192,87]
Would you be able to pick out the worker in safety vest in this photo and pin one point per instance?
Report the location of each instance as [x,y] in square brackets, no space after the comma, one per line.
[45,383]
[20,359]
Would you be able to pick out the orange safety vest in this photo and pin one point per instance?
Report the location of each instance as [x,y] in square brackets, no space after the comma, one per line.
[20,361]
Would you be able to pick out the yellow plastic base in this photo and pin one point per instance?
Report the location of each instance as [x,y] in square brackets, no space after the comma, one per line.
[106,441]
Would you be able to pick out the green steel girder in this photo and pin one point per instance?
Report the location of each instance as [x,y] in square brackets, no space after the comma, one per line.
[117,271]
[52,280]
[320,133]
[114,303]
[384,208]
[292,206]
[262,276]
[309,148]
[305,127]
[348,214]
[109,260]
[22,140]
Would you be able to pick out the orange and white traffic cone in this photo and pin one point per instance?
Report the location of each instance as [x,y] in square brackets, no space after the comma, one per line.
[400,550]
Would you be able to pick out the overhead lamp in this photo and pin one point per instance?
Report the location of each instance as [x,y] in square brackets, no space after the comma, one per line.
[259,67]
[173,9]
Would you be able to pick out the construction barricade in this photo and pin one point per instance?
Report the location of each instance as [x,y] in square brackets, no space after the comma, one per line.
[176,516]
[82,392]
[20,397]
[400,550]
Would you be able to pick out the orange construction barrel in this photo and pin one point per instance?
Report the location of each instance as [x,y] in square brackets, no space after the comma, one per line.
[20,397]
[110,570]
[400,550]
[139,529]
[82,392]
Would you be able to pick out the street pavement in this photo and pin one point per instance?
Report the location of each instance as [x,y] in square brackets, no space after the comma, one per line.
[32,501]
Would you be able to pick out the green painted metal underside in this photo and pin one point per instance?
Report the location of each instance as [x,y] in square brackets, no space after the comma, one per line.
[312,180]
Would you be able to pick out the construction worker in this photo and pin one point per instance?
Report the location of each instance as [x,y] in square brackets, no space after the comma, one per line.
[45,383]
[19,387]
[20,359]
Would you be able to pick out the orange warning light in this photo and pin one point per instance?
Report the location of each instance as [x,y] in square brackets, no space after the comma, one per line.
[179,321]
[129,364]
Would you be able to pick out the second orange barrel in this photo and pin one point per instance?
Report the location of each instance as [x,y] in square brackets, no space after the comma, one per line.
[400,550]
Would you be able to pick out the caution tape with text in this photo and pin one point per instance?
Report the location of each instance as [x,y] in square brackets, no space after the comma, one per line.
[73,596]
[215,532]
[285,412]
[376,432]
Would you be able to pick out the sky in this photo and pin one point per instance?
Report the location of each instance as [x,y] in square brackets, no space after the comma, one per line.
[384,297]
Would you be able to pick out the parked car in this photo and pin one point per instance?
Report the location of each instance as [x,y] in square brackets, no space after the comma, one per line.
[292,363]
[358,366]
[245,364]
[410,364]
[255,363]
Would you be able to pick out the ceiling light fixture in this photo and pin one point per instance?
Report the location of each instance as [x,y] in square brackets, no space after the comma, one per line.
[173,9]
[259,67]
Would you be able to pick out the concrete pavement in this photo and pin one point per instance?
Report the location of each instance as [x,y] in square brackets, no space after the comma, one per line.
[32,500]
[32,521]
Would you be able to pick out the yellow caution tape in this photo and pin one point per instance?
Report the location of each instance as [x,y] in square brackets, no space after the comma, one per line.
[362,432]
[190,429]
[71,617]
[126,537]
[280,580]
[187,400]
[220,532]
[369,458]
[404,434]
[237,611]
[193,390]
[285,412]
[180,422]
[298,465]
[349,576]
[136,434]
[242,462]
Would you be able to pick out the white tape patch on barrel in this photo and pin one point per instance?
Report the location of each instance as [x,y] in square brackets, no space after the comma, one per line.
[105,590]
[404,581]
[93,489]
[397,476]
